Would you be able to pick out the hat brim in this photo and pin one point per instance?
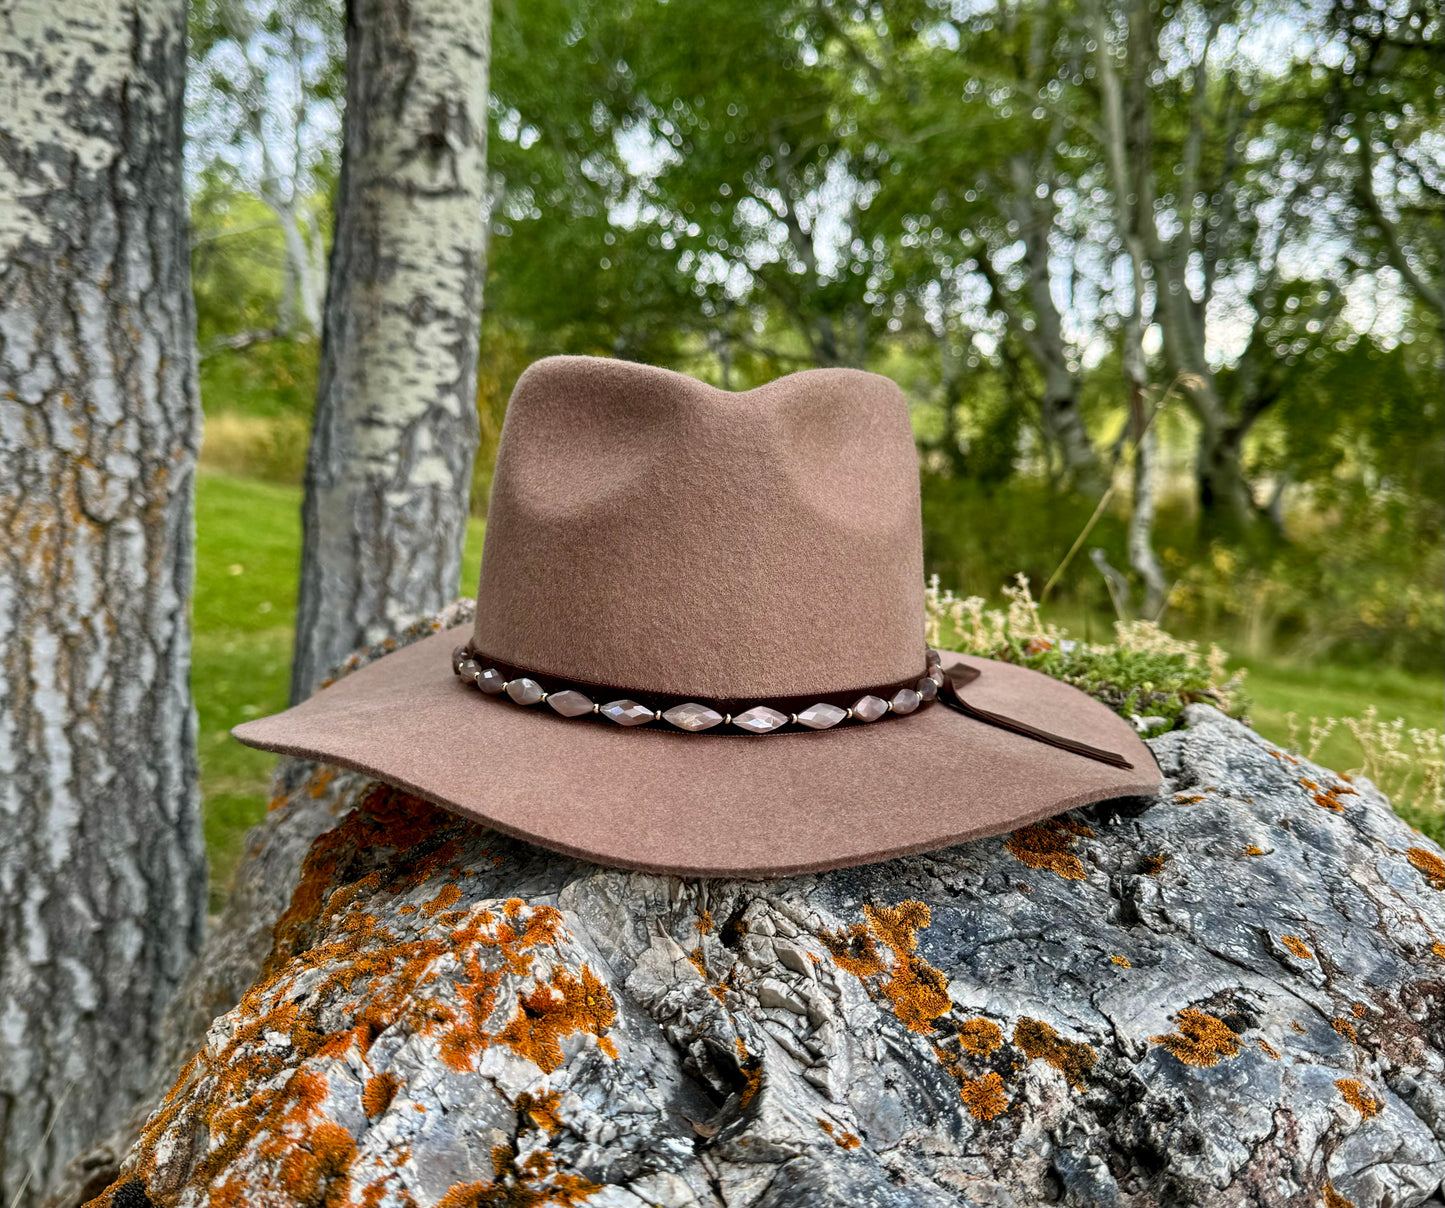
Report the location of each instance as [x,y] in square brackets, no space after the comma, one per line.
[731,805]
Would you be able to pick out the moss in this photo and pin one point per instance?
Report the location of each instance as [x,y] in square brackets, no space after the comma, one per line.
[1202,1039]
[1048,845]
[1428,865]
[985,1097]
[1039,1041]
[1297,946]
[1354,1094]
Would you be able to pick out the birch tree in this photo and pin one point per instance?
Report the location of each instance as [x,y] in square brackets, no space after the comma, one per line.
[102,871]
[389,470]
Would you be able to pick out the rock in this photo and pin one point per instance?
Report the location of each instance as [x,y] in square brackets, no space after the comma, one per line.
[1233,994]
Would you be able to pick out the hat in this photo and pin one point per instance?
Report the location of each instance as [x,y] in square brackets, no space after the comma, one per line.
[699,646]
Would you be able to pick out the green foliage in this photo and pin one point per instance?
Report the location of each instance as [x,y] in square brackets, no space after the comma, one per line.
[1143,672]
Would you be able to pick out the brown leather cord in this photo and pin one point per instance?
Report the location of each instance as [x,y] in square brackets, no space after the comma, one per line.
[957,676]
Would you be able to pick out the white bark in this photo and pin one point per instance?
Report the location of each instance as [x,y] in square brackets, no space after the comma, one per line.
[102,869]
[389,473]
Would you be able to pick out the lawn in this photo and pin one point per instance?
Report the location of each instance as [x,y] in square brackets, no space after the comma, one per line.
[248,542]
[248,536]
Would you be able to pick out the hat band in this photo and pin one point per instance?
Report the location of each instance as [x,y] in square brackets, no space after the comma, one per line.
[693,715]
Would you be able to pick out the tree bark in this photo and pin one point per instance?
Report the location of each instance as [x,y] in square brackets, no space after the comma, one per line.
[102,867]
[389,472]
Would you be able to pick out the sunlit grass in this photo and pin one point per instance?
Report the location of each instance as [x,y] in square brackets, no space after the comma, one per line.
[248,541]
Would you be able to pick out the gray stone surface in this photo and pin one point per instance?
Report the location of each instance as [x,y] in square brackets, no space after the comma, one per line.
[1233,995]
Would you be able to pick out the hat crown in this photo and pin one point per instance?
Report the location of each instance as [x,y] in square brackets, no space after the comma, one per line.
[650,531]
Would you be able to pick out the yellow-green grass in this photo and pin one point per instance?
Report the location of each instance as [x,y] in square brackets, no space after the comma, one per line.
[248,536]
[248,542]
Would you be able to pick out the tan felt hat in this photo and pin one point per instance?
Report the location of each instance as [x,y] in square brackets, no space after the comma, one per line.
[699,646]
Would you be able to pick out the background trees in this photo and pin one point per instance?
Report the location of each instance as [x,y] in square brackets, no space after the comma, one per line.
[102,874]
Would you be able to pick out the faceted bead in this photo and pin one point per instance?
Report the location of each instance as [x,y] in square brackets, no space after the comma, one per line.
[525,691]
[627,712]
[905,700]
[467,669]
[821,716]
[927,690]
[458,654]
[490,681]
[936,675]
[869,708]
[693,717]
[760,719]
[934,658]
[569,703]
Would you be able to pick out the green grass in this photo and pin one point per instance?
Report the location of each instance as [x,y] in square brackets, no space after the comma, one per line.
[248,541]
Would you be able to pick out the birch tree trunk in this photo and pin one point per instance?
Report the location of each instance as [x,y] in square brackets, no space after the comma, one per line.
[102,869]
[389,473]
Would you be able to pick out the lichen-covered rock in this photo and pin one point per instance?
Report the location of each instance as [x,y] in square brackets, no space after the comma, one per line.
[1234,994]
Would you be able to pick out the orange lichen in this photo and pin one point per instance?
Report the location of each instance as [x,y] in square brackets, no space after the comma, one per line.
[843,1140]
[1297,1026]
[695,956]
[1071,1058]
[1354,1094]
[541,1109]
[1297,946]
[531,1183]
[553,1010]
[266,1098]
[979,1036]
[1333,1199]
[1345,1028]
[1267,1049]
[752,1071]
[1122,961]
[1202,1039]
[705,924]
[1428,865]
[317,1169]
[1049,845]
[1327,798]
[985,1097]
[916,990]
[1188,798]
[1359,1009]
[1438,949]
[447,897]
[1252,850]
[377,1094]
[1152,866]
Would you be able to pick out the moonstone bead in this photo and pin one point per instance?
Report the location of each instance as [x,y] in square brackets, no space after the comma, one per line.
[821,716]
[467,669]
[869,708]
[905,700]
[693,717]
[490,681]
[626,712]
[936,675]
[525,691]
[569,703]
[927,689]
[760,719]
